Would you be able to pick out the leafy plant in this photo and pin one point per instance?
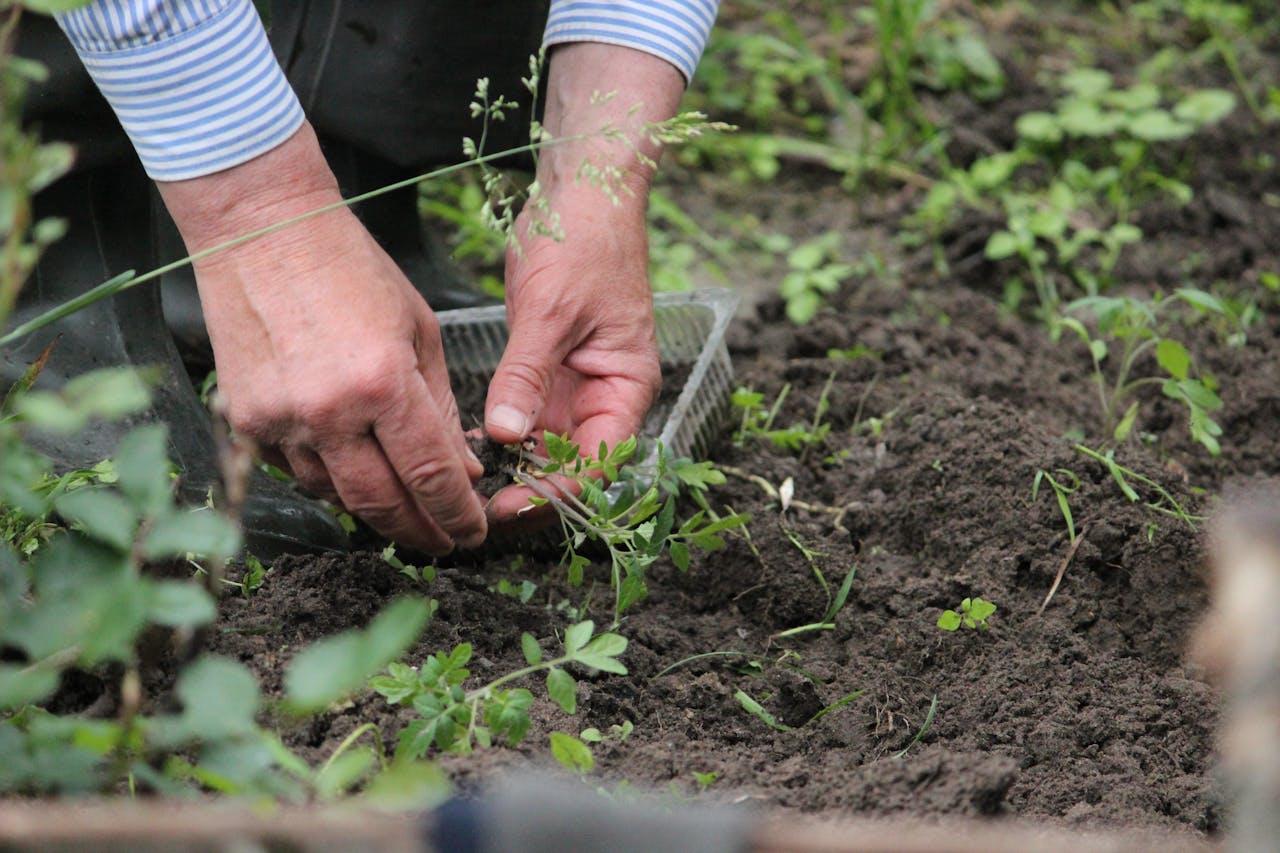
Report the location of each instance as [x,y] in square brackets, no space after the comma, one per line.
[815,273]
[1069,484]
[1138,327]
[634,519]
[452,719]
[973,614]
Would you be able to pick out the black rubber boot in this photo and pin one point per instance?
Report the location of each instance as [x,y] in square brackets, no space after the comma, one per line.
[104,209]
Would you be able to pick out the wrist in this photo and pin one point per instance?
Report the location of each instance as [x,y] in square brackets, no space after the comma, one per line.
[287,181]
[601,98]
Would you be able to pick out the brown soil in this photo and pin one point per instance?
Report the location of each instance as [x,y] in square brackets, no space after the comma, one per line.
[1087,714]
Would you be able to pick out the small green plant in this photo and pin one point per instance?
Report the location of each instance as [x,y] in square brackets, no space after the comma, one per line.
[1065,483]
[1136,327]
[453,719]
[1163,502]
[618,733]
[755,709]
[973,614]
[705,780]
[634,519]
[815,273]
[759,422]
[571,753]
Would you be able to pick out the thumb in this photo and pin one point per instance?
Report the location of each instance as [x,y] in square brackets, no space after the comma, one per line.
[520,386]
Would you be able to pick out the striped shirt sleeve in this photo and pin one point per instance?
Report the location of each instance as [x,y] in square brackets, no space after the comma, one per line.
[675,30]
[193,82]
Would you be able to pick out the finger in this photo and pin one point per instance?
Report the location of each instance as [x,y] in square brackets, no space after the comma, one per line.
[310,472]
[427,453]
[370,488]
[519,388]
[432,368]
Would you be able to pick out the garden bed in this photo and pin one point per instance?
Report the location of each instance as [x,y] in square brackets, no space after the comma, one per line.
[1084,714]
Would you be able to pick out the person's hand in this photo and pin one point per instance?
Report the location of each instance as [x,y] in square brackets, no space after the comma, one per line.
[327,357]
[582,359]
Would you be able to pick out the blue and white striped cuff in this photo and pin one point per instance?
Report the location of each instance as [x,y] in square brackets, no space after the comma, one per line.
[197,101]
[674,30]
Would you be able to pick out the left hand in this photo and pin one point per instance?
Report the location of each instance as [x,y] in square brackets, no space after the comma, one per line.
[582,358]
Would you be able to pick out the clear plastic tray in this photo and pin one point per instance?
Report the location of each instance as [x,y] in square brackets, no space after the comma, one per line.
[691,328]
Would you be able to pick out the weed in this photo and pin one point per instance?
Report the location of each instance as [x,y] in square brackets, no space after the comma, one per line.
[705,780]
[755,709]
[421,575]
[618,732]
[451,719]
[758,422]
[1138,327]
[973,615]
[1163,502]
[815,273]
[924,729]
[1069,484]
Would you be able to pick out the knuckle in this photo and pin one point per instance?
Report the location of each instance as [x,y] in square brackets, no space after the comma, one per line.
[534,376]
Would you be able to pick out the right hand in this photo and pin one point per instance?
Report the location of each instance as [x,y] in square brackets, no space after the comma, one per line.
[327,357]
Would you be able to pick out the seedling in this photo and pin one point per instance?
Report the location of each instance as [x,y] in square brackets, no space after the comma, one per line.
[1069,485]
[1163,503]
[618,732]
[452,719]
[635,519]
[1139,327]
[705,780]
[816,272]
[759,422]
[755,709]
[973,615]
[421,575]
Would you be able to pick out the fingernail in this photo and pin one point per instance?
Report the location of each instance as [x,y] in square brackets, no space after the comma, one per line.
[472,455]
[509,418]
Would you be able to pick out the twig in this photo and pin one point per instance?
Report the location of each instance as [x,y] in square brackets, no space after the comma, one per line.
[1062,568]
[837,513]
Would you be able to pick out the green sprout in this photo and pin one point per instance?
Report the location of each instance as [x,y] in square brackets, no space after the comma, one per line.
[973,615]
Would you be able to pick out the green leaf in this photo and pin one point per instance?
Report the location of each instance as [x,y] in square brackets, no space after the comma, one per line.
[807,256]
[1206,302]
[332,667]
[560,449]
[571,753]
[1206,106]
[981,609]
[601,652]
[751,706]
[1039,127]
[110,393]
[102,514]
[577,636]
[219,697]
[180,604]
[532,651]
[680,555]
[198,531]
[1158,126]
[562,689]
[142,468]
[1125,426]
[1002,244]
[802,307]
[1086,82]
[949,620]
[1173,357]
[21,686]
[1143,96]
